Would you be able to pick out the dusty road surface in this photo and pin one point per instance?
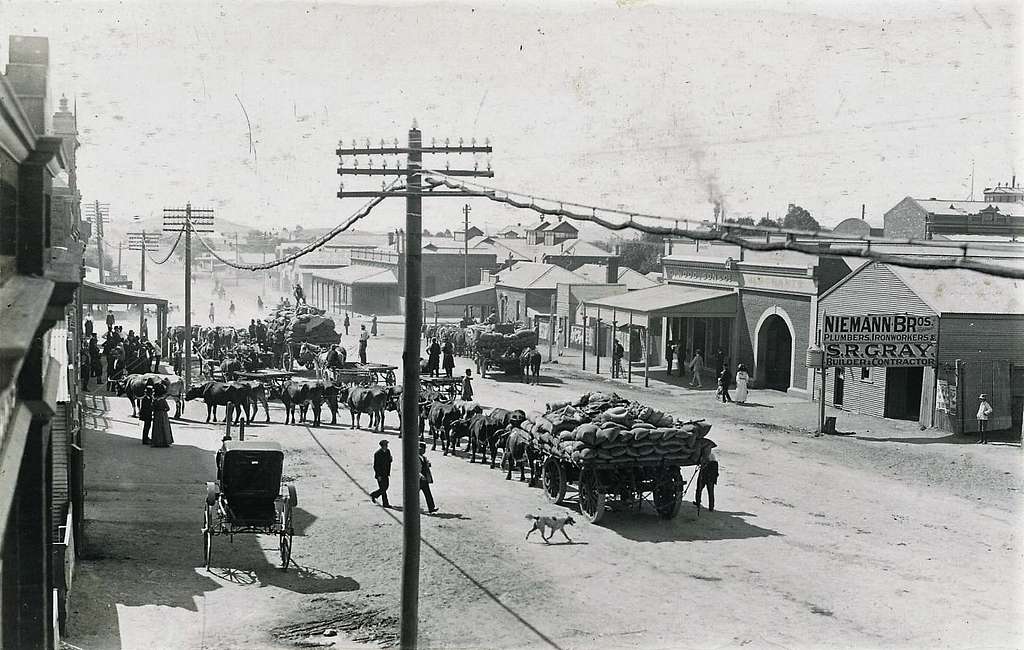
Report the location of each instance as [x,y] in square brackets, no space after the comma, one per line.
[873,540]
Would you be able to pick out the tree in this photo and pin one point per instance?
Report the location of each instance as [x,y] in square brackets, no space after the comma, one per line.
[769,223]
[742,221]
[426,233]
[798,218]
[643,255]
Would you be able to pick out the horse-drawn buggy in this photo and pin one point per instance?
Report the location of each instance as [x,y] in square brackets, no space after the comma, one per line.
[604,449]
[249,497]
[448,387]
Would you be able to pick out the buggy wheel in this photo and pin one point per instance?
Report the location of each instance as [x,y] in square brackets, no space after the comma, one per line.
[389,379]
[553,477]
[668,494]
[207,536]
[591,497]
[285,545]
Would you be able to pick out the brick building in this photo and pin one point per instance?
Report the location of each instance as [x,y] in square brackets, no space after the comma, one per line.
[41,265]
[526,290]
[1000,214]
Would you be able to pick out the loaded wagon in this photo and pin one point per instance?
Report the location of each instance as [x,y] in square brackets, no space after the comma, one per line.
[604,449]
[249,497]
[497,350]
[352,372]
[449,387]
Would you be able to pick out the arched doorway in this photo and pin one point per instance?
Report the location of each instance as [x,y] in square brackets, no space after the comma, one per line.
[775,353]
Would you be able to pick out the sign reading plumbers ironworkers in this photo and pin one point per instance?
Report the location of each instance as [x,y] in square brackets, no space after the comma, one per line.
[880,340]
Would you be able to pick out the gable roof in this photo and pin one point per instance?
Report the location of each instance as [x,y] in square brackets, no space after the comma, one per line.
[535,275]
[632,279]
[964,208]
[954,291]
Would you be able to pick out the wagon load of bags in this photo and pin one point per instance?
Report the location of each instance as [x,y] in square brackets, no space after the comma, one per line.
[492,343]
[318,330]
[606,429]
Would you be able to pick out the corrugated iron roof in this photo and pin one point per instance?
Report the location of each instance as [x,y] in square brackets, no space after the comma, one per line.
[633,280]
[660,298]
[963,208]
[960,291]
[358,274]
[535,275]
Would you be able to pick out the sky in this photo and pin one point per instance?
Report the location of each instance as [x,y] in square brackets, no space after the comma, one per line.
[652,107]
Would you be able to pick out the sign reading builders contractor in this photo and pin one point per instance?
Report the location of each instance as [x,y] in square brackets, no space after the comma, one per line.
[880,340]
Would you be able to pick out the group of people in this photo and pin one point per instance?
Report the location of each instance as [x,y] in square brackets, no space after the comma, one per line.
[156,423]
[440,357]
[120,351]
[382,473]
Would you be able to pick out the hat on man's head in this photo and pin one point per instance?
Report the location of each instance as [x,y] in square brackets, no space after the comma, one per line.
[983,396]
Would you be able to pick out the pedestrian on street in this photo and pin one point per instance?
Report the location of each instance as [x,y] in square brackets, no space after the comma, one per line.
[434,358]
[211,313]
[467,386]
[696,368]
[449,358]
[84,366]
[742,379]
[669,354]
[110,320]
[984,412]
[364,336]
[382,472]
[617,353]
[723,385]
[88,327]
[259,303]
[144,329]
[95,357]
[373,325]
[347,323]
[162,436]
[707,478]
[680,352]
[146,413]
[231,310]
[426,478]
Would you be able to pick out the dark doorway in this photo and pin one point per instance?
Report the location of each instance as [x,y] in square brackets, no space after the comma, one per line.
[903,392]
[837,388]
[775,352]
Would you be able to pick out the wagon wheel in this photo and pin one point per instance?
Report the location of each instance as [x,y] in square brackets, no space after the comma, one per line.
[208,535]
[389,379]
[591,496]
[553,476]
[668,494]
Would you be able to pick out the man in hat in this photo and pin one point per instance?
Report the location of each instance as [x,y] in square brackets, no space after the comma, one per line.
[382,472]
[984,412]
[146,413]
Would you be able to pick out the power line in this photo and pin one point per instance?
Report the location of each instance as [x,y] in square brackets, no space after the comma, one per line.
[170,252]
[725,233]
[390,190]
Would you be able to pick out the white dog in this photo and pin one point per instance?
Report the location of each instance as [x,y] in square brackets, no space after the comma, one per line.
[554,523]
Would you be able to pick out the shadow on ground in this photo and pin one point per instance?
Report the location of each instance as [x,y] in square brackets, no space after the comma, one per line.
[687,526]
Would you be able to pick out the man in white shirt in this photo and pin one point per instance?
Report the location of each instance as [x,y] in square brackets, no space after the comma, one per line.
[364,336]
[984,411]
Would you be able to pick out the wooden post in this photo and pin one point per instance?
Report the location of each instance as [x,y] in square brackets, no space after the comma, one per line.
[586,328]
[551,328]
[824,369]
[629,363]
[647,353]
[615,338]
[597,341]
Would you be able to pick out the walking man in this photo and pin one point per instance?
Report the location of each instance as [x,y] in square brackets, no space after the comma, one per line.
[467,386]
[146,413]
[373,325]
[696,368]
[984,412]
[617,353]
[723,385]
[211,313]
[347,323]
[382,472]
[364,337]
[426,478]
[707,478]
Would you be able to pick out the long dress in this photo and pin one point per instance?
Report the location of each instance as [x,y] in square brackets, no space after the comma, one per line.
[741,385]
[433,358]
[161,435]
[449,358]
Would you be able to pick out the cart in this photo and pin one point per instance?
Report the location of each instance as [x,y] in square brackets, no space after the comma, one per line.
[630,482]
[352,372]
[272,379]
[249,497]
[449,387]
[507,362]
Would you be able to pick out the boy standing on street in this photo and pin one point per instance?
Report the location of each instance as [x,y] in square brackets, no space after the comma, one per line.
[707,478]
[984,412]
[467,386]
[426,478]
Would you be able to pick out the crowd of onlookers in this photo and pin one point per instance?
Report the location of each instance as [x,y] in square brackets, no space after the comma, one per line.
[117,353]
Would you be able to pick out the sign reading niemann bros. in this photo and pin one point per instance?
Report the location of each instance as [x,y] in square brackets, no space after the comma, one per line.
[880,340]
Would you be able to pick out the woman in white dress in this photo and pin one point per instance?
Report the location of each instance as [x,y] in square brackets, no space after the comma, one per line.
[741,383]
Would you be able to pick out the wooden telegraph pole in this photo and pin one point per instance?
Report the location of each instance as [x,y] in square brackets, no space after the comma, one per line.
[142,242]
[465,245]
[99,213]
[189,220]
[413,193]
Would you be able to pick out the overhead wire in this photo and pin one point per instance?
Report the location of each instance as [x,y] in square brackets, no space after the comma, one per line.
[169,253]
[727,233]
[317,243]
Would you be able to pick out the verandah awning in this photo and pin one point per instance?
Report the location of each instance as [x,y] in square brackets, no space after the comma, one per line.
[477,294]
[666,300]
[104,294]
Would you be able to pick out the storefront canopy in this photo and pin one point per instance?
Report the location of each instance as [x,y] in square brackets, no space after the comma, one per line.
[104,294]
[666,300]
[479,294]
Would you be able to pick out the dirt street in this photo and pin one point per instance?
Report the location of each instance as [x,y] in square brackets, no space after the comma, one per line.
[879,539]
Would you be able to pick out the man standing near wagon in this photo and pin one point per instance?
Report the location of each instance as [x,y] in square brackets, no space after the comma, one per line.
[364,337]
[382,472]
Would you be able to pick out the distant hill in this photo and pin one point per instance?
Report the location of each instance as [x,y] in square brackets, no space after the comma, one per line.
[118,227]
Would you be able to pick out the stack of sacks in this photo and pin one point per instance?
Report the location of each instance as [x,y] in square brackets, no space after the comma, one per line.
[495,344]
[605,429]
[318,330]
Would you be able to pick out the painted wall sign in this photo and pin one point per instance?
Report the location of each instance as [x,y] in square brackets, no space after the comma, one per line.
[880,340]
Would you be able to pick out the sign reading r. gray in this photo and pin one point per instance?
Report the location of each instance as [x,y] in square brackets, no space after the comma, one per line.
[880,340]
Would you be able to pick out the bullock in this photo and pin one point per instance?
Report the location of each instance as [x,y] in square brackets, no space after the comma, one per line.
[489,437]
[517,451]
[371,400]
[441,416]
[303,393]
[229,367]
[257,396]
[529,365]
[134,386]
[217,393]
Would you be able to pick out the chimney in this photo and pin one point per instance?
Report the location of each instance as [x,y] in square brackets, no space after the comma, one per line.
[391,239]
[28,74]
[612,270]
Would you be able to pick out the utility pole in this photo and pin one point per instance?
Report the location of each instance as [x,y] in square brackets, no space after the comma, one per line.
[465,243]
[120,246]
[413,193]
[140,241]
[188,220]
[99,214]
